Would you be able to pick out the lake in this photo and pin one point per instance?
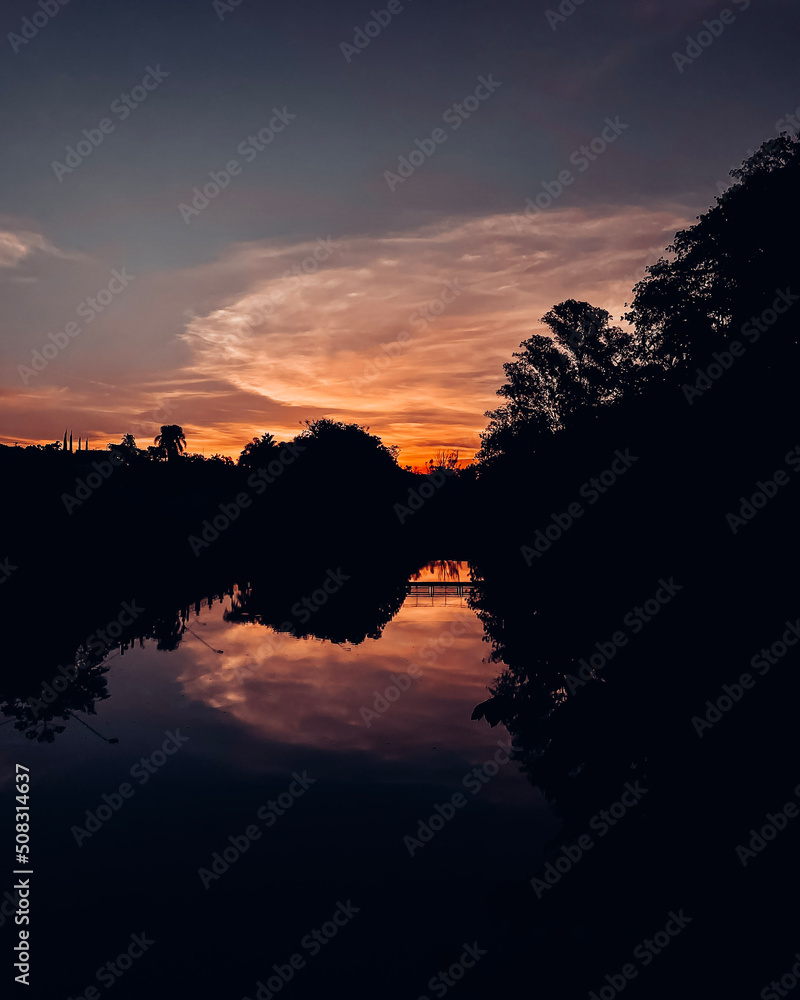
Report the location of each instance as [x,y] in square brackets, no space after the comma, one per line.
[251,813]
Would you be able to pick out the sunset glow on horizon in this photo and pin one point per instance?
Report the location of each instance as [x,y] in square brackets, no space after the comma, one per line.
[405,334]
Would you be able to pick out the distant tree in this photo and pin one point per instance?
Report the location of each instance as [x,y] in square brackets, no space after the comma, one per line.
[196,458]
[258,452]
[444,461]
[347,446]
[126,448]
[172,441]
[585,363]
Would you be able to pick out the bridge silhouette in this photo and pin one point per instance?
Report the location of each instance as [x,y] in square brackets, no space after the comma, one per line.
[436,593]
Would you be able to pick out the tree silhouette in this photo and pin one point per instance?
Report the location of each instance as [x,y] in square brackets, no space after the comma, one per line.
[171,440]
[728,267]
[604,359]
[126,448]
[258,452]
[585,363]
[443,461]
[334,443]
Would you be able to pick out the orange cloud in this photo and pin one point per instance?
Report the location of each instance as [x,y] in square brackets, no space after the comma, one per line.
[405,333]
[408,333]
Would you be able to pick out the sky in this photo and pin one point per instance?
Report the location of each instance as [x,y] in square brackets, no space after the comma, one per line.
[241,216]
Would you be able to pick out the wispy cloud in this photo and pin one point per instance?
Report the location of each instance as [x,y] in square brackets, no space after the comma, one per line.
[17,246]
[242,344]
[432,387]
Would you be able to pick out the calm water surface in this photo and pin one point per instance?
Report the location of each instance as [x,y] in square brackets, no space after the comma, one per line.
[333,755]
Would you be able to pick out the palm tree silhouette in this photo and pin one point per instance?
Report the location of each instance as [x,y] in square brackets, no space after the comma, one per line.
[258,451]
[171,440]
